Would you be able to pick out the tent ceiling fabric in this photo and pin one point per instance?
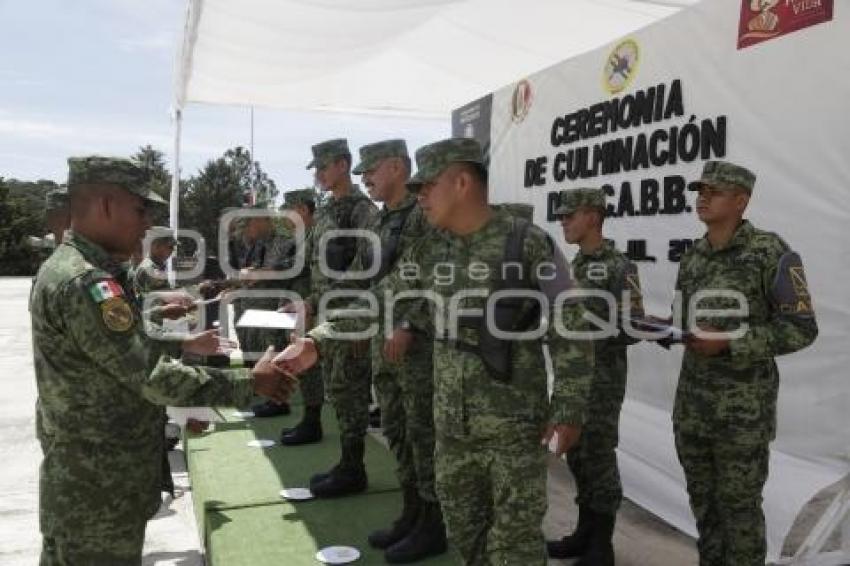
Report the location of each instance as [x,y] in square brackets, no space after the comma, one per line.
[398,57]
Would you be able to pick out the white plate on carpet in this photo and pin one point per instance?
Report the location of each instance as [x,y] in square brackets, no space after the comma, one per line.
[338,554]
[261,443]
[242,414]
[297,494]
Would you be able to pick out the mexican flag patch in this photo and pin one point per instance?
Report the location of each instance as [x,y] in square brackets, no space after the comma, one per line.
[103,290]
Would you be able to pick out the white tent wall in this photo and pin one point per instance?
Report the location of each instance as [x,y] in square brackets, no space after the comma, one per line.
[781,120]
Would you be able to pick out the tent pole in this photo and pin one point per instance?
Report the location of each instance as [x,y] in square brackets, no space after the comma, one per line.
[174,200]
[174,197]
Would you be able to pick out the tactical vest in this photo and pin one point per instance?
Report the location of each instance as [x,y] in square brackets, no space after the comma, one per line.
[511,314]
[340,251]
[389,244]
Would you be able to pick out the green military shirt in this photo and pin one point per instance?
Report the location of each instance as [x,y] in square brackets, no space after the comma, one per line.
[398,230]
[149,276]
[734,394]
[609,270]
[467,397]
[101,385]
[353,211]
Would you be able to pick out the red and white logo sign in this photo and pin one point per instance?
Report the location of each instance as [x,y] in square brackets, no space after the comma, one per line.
[765,19]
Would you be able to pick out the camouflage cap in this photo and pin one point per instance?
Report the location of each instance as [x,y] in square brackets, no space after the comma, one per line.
[162,233]
[725,176]
[57,199]
[432,159]
[372,154]
[294,198]
[583,197]
[325,152]
[97,169]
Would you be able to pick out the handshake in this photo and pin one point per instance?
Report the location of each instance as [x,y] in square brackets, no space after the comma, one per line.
[275,375]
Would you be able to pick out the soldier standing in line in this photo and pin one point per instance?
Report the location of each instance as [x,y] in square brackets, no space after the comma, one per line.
[347,375]
[309,429]
[724,416]
[404,382]
[599,266]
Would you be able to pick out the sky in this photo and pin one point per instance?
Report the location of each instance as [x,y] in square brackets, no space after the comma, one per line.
[95,76]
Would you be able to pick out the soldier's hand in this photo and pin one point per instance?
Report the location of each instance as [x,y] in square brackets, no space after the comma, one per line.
[704,345]
[566,436]
[301,309]
[177,297]
[270,381]
[298,357]
[173,311]
[397,345]
[208,343]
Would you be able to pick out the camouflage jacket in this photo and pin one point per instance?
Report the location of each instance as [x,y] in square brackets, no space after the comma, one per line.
[734,394]
[353,211]
[607,269]
[467,398]
[398,230]
[101,387]
[149,276]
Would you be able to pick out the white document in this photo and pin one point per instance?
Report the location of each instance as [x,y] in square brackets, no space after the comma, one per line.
[256,318]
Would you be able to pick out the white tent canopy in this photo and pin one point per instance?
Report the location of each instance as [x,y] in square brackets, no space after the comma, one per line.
[400,57]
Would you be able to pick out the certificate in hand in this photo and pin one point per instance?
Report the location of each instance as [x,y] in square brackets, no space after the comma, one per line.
[256,318]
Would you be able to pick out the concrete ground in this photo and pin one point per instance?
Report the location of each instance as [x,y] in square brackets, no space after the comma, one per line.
[172,538]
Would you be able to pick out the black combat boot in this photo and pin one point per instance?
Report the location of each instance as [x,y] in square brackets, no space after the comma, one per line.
[270,409]
[375,417]
[401,527]
[575,544]
[308,431]
[600,549]
[428,537]
[347,478]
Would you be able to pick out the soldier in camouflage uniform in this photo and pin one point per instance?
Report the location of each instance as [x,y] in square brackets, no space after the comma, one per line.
[58,217]
[346,374]
[598,266]
[274,248]
[724,416]
[488,417]
[404,384]
[101,382]
[151,274]
[309,429]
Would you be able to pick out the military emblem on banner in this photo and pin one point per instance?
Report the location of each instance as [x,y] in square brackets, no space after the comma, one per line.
[621,66]
[521,101]
[765,19]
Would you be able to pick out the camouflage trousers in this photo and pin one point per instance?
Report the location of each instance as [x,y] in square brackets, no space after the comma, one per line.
[725,482]
[348,383]
[493,495]
[593,460]
[122,546]
[406,397]
[312,387]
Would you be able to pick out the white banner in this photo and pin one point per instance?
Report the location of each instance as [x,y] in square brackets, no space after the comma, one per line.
[639,118]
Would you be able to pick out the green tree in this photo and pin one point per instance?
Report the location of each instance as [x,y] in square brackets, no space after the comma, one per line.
[22,214]
[152,161]
[221,184]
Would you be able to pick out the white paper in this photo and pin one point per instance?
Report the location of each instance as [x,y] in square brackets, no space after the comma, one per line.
[256,318]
